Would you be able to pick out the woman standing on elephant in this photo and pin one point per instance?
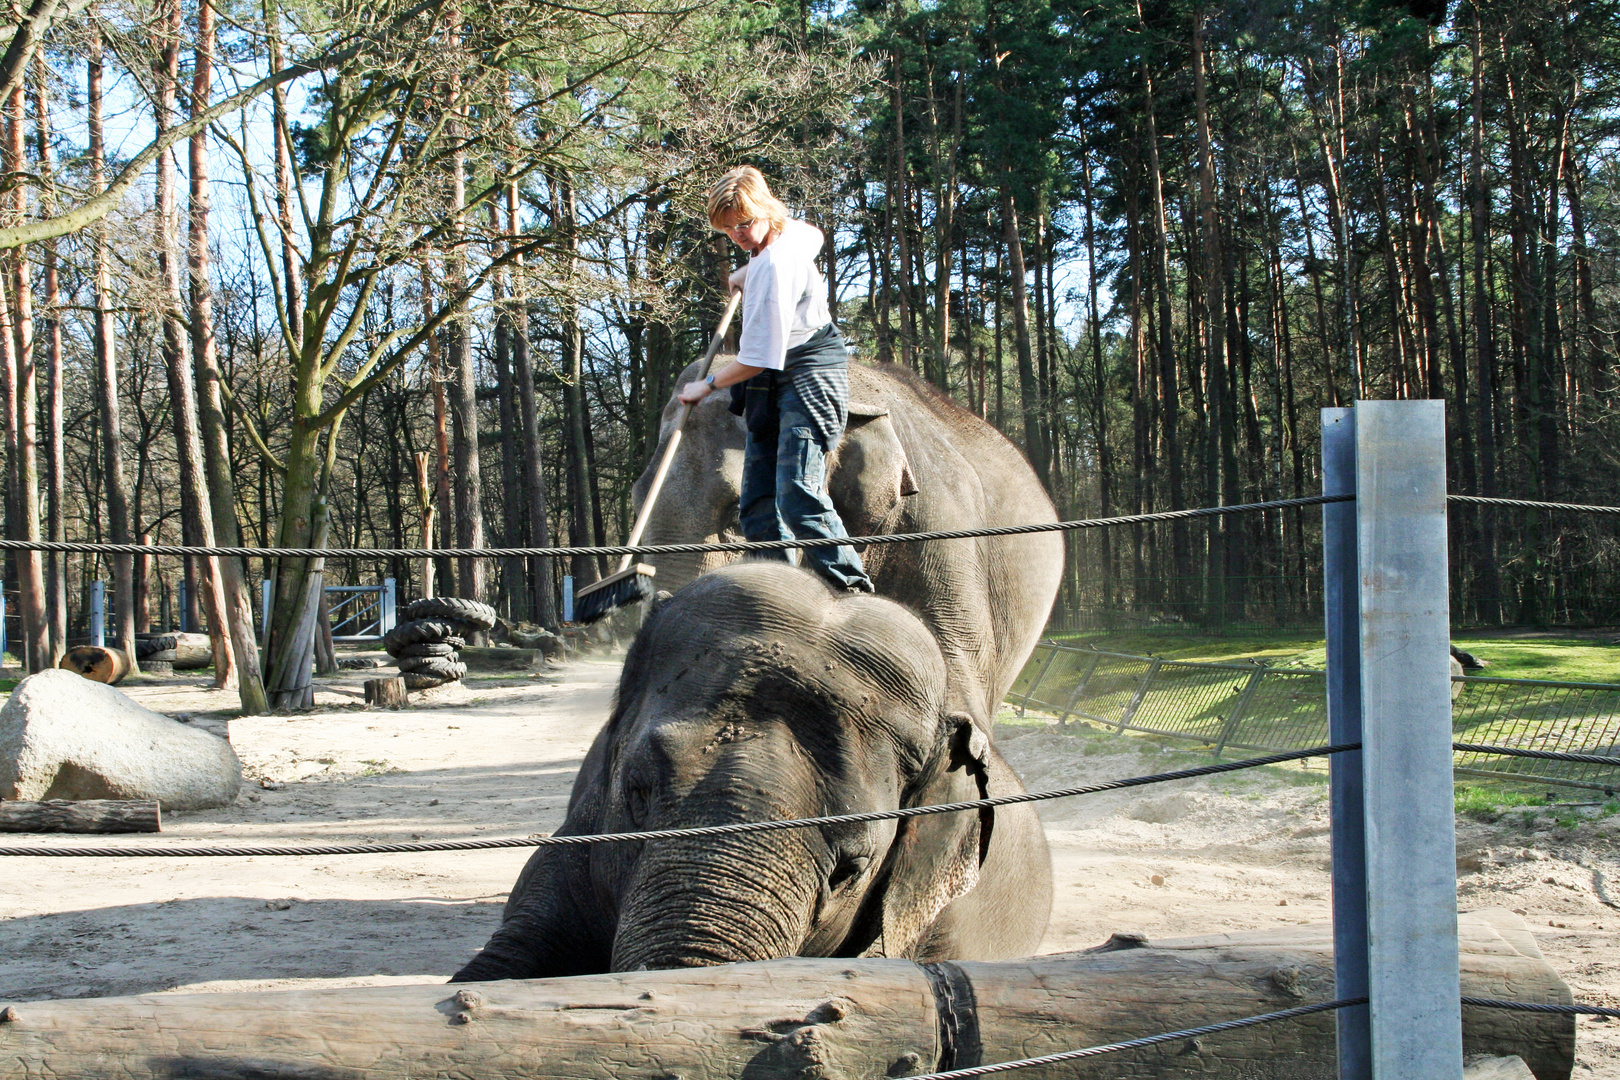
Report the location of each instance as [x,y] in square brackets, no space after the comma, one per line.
[790,378]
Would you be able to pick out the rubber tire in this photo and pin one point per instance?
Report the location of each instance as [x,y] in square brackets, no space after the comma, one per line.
[146,646]
[162,654]
[474,614]
[441,666]
[447,647]
[417,680]
[419,631]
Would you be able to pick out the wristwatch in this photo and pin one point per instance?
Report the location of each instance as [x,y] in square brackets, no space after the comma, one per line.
[710,381]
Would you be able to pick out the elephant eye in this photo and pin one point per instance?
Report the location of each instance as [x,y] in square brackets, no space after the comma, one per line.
[847,870]
[635,803]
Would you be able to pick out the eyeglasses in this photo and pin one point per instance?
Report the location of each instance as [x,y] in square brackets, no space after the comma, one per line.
[739,226]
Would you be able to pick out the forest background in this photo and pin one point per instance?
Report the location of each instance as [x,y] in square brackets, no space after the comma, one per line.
[423,273]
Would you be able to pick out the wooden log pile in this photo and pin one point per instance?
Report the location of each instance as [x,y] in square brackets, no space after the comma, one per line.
[794,1019]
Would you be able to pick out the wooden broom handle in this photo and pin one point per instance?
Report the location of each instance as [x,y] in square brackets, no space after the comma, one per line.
[675,433]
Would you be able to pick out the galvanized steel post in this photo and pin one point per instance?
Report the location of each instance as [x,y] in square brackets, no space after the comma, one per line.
[1411,844]
[1343,618]
[98,613]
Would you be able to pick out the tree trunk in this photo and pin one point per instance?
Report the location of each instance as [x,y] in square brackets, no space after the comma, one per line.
[1215,358]
[1027,385]
[581,533]
[1489,584]
[220,525]
[513,589]
[195,512]
[55,509]
[24,406]
[545,603]
[1169,396]
[126,606]
[468,483]
[443,578]
[786,1019]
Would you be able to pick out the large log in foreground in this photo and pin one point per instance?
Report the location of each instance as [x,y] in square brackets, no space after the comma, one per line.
[796,1019]
[81,816]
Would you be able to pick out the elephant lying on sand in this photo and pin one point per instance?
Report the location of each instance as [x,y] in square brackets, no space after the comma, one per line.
[911,460]
[757,694]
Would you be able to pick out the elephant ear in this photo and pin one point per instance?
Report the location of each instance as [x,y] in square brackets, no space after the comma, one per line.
[935,859]
[870,472]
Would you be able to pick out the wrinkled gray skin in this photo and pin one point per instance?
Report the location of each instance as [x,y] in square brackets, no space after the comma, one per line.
[758,694]
[911,461]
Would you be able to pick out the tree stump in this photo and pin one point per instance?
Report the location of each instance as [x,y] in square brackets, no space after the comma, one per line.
[81,816]
[854,1019]
[98,663]
[386,693]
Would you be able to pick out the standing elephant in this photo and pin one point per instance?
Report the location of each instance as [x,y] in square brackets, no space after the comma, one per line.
[911,460]
[757,694]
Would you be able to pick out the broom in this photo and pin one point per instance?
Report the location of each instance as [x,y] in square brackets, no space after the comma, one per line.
[632,582]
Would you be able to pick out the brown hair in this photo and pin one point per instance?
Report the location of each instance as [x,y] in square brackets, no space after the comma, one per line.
[742,194]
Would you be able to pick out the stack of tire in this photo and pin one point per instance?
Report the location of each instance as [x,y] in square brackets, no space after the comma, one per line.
[426,645]
[156,653]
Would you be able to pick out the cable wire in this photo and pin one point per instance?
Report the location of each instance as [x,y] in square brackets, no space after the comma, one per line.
[1150,1040]
[86,547]
[670,834]
[1532,504]
[1535,1007]
[1543,755]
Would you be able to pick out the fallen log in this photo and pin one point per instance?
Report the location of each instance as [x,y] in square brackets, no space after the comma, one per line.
[828,1019]
[192,651]
[81,816]
[98,663]
[497,659]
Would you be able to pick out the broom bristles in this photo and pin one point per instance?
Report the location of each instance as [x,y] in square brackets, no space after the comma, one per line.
[600,599]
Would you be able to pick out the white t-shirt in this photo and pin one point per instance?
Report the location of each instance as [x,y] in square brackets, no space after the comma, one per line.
[784,297]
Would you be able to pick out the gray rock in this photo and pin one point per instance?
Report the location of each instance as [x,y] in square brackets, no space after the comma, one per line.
[65,737]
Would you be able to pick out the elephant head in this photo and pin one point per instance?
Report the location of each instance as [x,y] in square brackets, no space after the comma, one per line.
[868,475]
[757,694]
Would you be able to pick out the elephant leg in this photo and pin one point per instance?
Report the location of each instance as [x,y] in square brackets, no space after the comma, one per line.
[546,929]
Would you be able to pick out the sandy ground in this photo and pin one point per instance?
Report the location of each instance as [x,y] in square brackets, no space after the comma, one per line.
[497,757]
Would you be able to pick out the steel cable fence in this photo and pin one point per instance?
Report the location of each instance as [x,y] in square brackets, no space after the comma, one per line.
[1255,707]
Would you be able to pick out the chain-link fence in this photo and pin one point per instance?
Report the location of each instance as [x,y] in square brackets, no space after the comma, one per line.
[1249,705]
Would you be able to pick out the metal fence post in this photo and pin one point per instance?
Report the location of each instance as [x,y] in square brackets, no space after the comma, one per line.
[1407,786]
[2,622]
[266,597]
[1079,688]
[390,596]
[568,598]
[183,617]
[1342,613]
[1039,675]
[1141,692]
[1240,707]
[98,613]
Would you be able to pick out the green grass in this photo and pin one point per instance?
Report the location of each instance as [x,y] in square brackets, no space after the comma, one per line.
[1509,654]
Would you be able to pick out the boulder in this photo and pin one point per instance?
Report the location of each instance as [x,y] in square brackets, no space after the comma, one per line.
[64,737]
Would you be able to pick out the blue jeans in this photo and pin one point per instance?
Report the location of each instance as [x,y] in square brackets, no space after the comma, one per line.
[784,476]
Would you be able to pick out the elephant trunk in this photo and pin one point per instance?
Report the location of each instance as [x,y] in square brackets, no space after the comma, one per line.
[695,905]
